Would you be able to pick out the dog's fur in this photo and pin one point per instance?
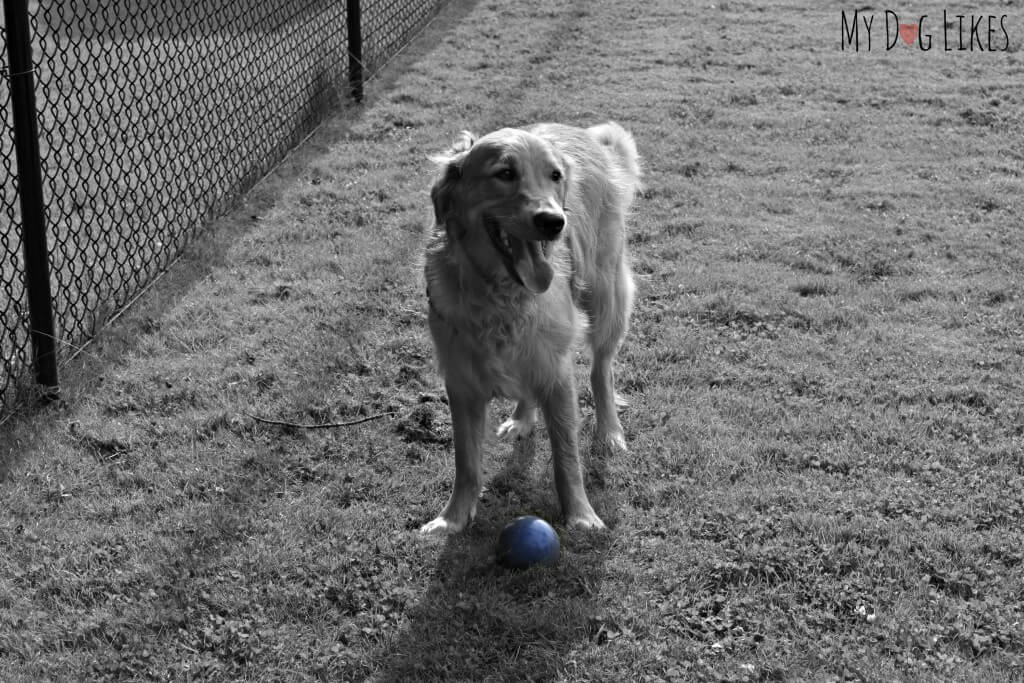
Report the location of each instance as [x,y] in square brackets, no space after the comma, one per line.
[528,255]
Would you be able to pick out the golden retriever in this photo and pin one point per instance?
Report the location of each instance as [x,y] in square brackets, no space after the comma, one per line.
[527,256]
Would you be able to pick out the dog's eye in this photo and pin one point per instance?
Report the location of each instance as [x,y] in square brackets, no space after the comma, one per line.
[556,175]
[505,174]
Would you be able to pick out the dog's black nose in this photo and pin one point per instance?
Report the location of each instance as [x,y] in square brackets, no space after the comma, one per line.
[549,223]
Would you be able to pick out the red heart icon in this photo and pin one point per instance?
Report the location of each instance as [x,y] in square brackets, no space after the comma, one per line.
[908,32]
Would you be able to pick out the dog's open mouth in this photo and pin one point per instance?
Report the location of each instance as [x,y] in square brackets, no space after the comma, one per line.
[526,260]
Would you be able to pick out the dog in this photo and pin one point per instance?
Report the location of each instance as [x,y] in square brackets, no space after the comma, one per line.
[527,256]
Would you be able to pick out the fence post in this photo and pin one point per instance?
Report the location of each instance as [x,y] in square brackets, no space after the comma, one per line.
[355,49]
[30,191]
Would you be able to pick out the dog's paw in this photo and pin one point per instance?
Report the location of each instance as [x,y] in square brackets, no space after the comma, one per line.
[441,526]
[617,442]
[613,441]
[587,521]
[515,429]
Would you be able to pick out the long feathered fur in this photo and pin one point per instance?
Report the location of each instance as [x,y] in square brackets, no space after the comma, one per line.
[500,326]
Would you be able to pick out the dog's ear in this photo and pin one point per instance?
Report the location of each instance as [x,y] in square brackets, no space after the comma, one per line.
[462,143]
[443,191]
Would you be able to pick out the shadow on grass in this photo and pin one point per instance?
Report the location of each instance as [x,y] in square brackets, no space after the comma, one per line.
[479,620]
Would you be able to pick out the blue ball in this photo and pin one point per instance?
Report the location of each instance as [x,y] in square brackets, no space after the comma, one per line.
[527,541]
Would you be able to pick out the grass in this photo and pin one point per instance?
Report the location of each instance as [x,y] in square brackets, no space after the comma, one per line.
[825,477]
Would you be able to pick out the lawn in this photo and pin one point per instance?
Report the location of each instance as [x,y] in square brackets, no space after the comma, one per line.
[826,424]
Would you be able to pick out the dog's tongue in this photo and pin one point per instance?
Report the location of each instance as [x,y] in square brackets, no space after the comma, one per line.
[531,265]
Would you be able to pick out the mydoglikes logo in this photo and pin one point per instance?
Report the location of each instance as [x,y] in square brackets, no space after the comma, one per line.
[862,30]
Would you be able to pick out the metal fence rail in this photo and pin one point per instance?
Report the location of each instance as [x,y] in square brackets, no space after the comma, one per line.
[153,116]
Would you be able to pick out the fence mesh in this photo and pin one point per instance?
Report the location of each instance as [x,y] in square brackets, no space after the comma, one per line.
[154,115]
[14,342]
[388,25]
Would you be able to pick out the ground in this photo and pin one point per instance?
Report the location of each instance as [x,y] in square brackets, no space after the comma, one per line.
[826,425]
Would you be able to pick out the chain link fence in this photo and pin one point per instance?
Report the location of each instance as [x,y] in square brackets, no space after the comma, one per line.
[14,354]
[153,116]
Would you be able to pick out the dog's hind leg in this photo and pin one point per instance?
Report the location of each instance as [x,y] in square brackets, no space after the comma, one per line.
[611,304]
[520,425]
[561,413]
[608,430]
[469,415]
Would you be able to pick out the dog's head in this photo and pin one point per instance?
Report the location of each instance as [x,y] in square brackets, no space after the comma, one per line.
[502,198]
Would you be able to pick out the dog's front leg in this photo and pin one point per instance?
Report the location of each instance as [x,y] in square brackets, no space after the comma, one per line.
[469,415]
[561,414]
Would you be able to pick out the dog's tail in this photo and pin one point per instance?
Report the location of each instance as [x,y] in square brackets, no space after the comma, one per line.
[621,144]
